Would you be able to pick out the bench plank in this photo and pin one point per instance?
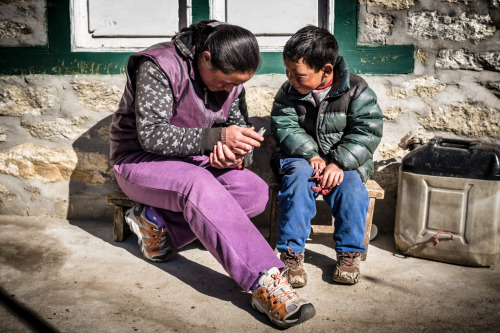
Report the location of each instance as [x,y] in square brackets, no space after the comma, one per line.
[121,203]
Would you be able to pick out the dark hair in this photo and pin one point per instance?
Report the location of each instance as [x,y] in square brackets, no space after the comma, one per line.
[232,48]
[315,46]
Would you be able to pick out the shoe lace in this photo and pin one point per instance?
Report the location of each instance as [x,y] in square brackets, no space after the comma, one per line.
[160,236]
[347,258]
[292,260]
[279,289]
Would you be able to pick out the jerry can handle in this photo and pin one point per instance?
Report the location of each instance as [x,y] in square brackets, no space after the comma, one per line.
[454,143]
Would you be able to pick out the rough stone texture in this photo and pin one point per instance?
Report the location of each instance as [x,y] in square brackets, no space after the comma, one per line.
[3,135]
[260,101]
[426,87]
[61,128]
[29,161]
[386,175]
[390,150]
[103,133]
[18,101]
[453,90]
[376,28]
[93,169]
[23,23]
[5,196]
[97,95]
[389,4]
[459,1]
[430,25]
[494,87]
[465,119]
[392,112]
[421,56]
[461,59]
[11,29]
[35,191]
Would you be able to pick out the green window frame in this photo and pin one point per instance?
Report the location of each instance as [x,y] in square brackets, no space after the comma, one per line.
[56,58]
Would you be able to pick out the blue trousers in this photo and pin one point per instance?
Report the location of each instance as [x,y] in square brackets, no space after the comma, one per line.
[348,202]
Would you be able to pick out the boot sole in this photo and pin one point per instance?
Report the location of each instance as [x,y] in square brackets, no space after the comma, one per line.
[307,311]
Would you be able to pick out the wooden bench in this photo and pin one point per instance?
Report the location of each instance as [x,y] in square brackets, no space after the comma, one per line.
[374,192]
[121,203]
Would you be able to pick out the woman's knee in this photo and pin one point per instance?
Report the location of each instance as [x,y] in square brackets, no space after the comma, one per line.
[257,196]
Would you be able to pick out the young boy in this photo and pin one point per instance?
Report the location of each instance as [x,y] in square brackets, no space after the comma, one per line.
[324,119]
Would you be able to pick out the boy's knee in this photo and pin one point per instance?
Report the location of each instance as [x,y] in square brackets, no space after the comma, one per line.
[352,186]
[301,172]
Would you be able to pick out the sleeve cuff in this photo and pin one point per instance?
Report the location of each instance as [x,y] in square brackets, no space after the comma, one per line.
[209,138]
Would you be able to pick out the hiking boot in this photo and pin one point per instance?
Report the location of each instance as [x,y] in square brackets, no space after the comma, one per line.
[154,241]
[279,301]
[295,272]
[347,268]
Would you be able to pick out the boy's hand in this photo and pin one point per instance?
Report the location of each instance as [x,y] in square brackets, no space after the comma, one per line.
[222,158]
[317,162]
[241,140]
[333,175]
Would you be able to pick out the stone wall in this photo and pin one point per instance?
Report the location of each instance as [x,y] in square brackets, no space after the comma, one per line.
[454,89]
[54,129]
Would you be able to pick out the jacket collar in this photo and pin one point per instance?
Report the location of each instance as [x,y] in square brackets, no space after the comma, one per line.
[340,82]
[183,43]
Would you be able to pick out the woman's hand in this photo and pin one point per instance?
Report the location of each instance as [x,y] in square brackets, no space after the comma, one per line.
[222,157]
[241,140]
[333,175]
[317,163]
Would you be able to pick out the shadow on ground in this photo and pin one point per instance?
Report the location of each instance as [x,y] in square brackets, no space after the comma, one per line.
[201,278]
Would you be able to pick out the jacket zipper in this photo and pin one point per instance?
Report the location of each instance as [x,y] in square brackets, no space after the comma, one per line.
[317,127]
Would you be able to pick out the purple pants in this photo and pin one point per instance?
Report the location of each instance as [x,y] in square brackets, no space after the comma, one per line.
[212,205]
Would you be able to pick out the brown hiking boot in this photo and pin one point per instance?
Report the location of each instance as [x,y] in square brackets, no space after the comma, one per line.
[295,272]
[154,242]
[347,268]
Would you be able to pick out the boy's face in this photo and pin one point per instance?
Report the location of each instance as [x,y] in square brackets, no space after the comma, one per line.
[305,79]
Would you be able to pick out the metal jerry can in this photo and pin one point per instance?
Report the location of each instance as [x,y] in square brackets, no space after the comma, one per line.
[448,206]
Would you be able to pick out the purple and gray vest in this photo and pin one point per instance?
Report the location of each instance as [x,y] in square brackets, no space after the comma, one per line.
[188,91]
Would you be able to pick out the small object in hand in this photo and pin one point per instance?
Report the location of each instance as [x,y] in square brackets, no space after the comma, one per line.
[318,177]
[261,131]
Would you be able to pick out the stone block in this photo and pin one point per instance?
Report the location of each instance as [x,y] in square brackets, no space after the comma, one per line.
[462,59]
[97,95]
[59,129]
[424,86]
[376,28]
[470,120]
[389,4]
[29,161]
[18,100]
[471,27]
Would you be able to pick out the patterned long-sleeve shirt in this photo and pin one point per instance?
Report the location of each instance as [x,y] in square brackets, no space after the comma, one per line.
[154,107]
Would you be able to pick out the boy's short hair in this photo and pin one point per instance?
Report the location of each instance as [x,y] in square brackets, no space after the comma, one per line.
[315,46]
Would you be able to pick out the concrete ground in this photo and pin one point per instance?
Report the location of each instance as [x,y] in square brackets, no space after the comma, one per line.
[69,276]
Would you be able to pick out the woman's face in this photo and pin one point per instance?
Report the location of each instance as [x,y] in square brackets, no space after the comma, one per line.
[215,80]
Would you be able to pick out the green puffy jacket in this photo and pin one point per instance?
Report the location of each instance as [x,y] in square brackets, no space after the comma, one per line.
[345,128]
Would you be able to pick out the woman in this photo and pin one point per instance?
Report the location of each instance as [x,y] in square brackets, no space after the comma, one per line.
[180,143]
